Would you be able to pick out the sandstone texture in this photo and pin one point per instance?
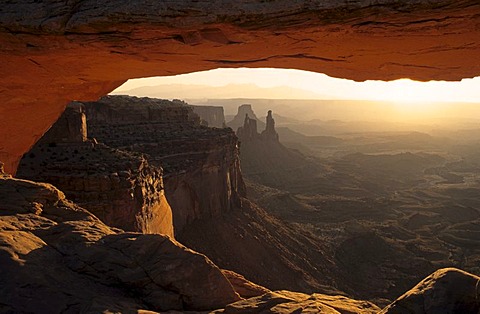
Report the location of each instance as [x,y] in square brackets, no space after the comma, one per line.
[294,302]
[245,288]
[54,52]
[202,168]
[120,188]
[57,257]
[447,290]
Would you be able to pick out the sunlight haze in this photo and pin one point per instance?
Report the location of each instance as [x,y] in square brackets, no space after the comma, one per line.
[404,90]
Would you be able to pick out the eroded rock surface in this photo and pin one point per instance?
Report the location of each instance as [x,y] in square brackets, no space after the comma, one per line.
[57,257]
[119,187]
[55,52]
[202,168]
[294,302]
[447,290]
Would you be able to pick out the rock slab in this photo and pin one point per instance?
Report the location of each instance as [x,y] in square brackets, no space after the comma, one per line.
[93,268]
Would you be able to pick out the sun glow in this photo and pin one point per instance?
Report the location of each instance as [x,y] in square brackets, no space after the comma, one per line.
[411,98]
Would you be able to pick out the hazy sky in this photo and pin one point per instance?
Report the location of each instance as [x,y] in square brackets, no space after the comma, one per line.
[403,91]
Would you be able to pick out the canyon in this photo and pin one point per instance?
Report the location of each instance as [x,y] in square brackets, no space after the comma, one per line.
[269,248]
[147,185]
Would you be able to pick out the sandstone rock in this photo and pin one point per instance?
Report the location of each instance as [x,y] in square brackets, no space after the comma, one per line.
[269,134]
[293,302]
[245,288]
[120,188]
[446,291]
[248,132]
[212,115]
[202,169]
[57,257]
[239,119]
[71,127]
[264,159]
[54,52]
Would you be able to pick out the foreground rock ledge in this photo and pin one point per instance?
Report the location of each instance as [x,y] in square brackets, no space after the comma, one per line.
[53,52]
[61,258]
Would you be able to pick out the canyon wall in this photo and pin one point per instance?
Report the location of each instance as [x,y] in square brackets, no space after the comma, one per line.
[120,188]
[212,115]
[54,52]
[201,165]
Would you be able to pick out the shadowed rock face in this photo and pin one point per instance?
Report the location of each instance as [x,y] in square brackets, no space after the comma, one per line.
[61,258]
[53,52]
[202,168]
[120,188]
[447,290]
[212,115]
[283,302]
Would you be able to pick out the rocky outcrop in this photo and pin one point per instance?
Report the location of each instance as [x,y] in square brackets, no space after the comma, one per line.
[57,257]
[240,118]
[64,51]
[248,132]
[264,159]
[269,134]
[202,168]
[448,290]
[245,288]
[71,127]
[284,302]
[120,188]
[212,115]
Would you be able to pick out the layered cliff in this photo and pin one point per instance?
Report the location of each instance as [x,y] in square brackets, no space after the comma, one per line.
[202,169]
[119,187]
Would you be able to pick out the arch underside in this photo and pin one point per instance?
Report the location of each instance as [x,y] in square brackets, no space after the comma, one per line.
[53,53]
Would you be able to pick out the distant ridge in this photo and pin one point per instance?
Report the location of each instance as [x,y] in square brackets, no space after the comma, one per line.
[186,91]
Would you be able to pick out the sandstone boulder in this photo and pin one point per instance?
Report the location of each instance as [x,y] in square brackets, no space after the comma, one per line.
[294,302]
[57,257]
[446,291]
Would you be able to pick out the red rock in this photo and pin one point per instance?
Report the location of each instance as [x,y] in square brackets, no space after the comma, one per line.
[88,173]
[56,257]
[201,165]
[54,52]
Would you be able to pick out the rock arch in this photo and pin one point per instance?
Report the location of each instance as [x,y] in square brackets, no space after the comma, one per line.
[53,52]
